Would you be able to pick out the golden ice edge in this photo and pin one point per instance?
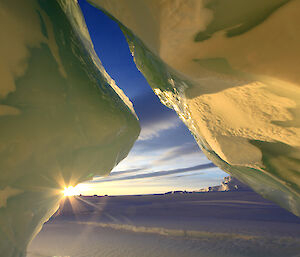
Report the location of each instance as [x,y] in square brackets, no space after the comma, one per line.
[230,70]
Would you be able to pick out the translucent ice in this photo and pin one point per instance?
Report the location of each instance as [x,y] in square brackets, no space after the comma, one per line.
[230,69]
[62,118]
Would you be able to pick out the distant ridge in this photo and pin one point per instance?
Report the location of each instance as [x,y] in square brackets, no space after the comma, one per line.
[229,184]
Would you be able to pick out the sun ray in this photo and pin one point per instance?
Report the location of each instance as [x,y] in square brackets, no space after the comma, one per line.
[71,191]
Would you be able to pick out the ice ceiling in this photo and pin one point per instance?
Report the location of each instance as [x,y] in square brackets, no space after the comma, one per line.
[230,69]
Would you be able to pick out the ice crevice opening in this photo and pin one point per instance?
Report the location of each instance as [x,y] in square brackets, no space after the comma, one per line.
[230,71]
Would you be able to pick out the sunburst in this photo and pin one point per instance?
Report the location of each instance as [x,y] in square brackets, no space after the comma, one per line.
[71,191]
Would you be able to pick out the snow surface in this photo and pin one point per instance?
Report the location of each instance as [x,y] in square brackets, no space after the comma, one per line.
[231,224]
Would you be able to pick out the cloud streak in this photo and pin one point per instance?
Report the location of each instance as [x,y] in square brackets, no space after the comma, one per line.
[119,173]
[180,151]
[152,130]
[157,173]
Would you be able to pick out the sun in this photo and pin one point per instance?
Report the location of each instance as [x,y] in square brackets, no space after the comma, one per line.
[70,191]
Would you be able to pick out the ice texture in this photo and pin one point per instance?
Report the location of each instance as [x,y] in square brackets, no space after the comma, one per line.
[230,69]
[62,118]
[228,184]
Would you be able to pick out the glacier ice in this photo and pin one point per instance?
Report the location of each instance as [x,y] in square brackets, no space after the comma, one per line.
[62,117]
[230,69]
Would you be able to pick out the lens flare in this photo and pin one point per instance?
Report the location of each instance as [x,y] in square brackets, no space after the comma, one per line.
[70,191]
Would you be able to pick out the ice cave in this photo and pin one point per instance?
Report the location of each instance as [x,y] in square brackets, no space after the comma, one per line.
[230,69]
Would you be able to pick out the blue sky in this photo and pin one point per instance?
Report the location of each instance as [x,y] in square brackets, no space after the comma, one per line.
[166,156]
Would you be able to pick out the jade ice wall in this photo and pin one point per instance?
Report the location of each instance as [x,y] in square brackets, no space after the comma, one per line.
[62,118]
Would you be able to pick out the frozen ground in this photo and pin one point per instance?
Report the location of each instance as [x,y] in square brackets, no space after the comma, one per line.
[227,224]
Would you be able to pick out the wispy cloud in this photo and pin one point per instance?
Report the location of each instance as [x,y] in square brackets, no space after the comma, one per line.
[179,151]
[153,129]
[118,173]
[156,173]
